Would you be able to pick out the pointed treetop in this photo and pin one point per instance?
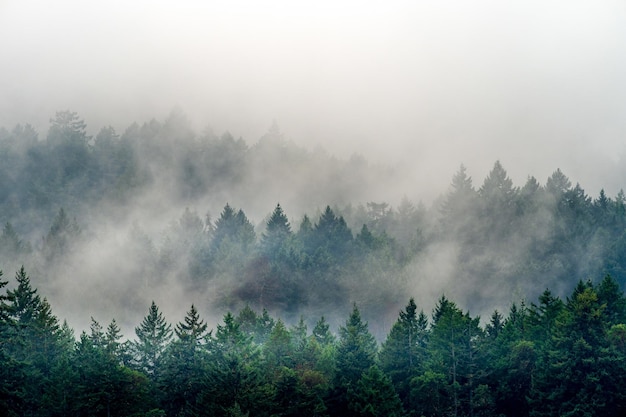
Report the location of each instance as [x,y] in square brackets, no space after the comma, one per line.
[278,221]
[192,330]
[558,183]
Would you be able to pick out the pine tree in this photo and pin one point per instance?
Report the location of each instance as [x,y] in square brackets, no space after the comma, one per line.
[356,350]
[185,365]
[577,376]
[279,349]
[61,237]
[193,330]
[102,386]
[454,339]
[233,376]
[322,334]
[374,396]
[403,354]
[12,378]
[356,353]
[153,336]
[277,233]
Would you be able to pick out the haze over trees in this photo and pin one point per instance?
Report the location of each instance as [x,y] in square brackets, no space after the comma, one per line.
[109,225]
[279,227]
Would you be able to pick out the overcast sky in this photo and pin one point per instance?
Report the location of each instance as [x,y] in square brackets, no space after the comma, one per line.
[538,85]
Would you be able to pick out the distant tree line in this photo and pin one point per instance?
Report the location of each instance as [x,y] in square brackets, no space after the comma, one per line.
[71,169]
[554,357]
[516,239]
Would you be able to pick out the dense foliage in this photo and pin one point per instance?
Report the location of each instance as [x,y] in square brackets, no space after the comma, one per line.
[554,358]
[70,195]
[71,207]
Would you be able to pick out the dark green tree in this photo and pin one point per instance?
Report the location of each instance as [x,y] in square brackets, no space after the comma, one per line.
[454,340]
[577,376]
[234,377]
[356,349]
[12,372]
[279,350]
[153,336]
[184,366]
[356,353]
[322,334]
[332,233]
[403,354]
[102,386]
[374,396]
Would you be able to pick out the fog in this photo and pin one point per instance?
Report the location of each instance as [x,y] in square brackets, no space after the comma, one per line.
[418,86]
[431,85]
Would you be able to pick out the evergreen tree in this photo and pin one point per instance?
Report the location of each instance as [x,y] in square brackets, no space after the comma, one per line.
[153,336]
[233,378]
[356,353]
[67,126]
[356,350]
[279,350]
[403,354]
[459,205]
[498,197]
[610,295]
[102,386]
[577,378]
[276,235]
[12,378]
[232,241]
[374,396]
[61,237]
[185,365]
[454,340]
[192,331]
[11,246]
[322,334]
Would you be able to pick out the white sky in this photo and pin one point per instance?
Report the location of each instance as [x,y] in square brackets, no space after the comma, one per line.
[538,85]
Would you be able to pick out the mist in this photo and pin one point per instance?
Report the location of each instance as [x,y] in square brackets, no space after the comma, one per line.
[383,101]
[426,85]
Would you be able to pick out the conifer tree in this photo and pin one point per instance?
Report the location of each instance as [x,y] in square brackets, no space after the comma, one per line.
[374,396]
[403,354]
[185,365]
[577,376]
[454,340]
[356,353]
[233,376]
[12,376]
[277,233]
[153,336]
[322,334]
[356,350]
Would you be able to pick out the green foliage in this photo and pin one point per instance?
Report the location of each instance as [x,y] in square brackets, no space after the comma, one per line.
[233,379]
[356,353]
[374,396]
[356,350]
[454,341]
[153,336]
[549,357]
[277,234]
[403,355]
[554,358]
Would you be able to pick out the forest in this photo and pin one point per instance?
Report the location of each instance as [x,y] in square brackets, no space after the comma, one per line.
[298,271]
[553,357]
